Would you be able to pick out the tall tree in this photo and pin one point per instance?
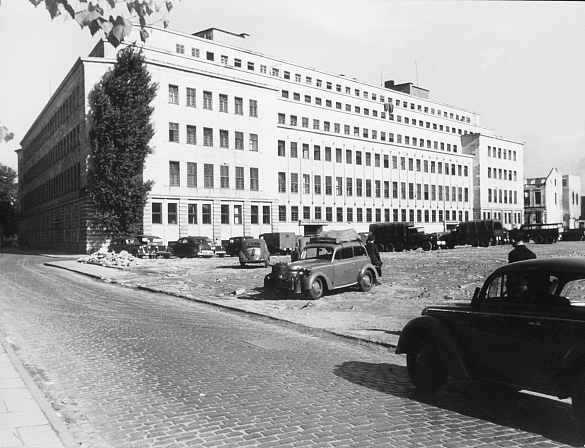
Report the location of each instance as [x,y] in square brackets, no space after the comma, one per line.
[112,17]
[8,202]
[121,130]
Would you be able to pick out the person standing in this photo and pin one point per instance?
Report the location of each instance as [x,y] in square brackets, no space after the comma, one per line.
[374,254]
[520,251]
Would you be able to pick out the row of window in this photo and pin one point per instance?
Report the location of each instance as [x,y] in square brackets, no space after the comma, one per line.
[498,173]
[413,164]
[365,133]
[498,152]
[202,213]
[367,215]
[208,137]
[415,190]
[374,113]
[225,176]
[70,105]
[208,102]
[65,182]
[286,74]
[502,196]
[66,145]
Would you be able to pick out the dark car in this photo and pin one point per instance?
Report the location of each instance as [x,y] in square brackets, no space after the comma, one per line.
[525,328]
[130,244]
[254,251]
[191,246]
[153,247]
[325,264]
[234,245]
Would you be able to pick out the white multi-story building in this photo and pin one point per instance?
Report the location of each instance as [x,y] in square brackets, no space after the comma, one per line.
[571,204]
[543,199]
[247,144]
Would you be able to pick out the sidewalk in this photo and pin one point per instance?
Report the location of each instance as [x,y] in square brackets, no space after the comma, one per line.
[26,418]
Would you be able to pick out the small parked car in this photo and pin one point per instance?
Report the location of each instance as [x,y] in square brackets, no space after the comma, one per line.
[254,251]
[234,245]
[191,246]
[524,328]
[130,244]
[153,247]
[325,263]
[217,249]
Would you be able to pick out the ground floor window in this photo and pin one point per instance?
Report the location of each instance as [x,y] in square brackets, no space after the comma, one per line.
[157,213]
[225,214]
[172,213]
[192,213]
[206,213]
[254,214]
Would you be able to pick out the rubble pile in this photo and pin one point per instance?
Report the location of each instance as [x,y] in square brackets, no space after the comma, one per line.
[110,259]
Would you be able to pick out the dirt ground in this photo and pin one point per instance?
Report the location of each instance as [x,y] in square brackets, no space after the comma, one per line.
[411,280]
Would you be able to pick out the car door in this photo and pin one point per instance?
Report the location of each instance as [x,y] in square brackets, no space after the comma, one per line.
[345,271]
[504,334]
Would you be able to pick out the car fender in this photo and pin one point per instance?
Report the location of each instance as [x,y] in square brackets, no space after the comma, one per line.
[368,267]
[308,280]
[448,347]
[571,365]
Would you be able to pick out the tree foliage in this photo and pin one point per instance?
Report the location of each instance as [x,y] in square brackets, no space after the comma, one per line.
[121,130]
[5,134]
[8,201]
[112,17]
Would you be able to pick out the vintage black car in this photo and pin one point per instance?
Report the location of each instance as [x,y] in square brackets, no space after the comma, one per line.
[191,246]
[325,264]
[129,244]
[525,328]
[153,247]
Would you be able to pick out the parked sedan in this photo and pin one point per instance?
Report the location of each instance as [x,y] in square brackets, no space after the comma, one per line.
[254,251]
[153,247]
[191,246]
[524,328]
[128,243]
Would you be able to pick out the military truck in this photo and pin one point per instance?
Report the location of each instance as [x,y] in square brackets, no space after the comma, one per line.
[484,233]
[399,236]
[280,243]
[542,233]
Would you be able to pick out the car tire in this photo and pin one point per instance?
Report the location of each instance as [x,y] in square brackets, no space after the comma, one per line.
[317,289]
[538,239]
[366,281]
[424,364]
[485,242]
[578,401]
[474,242]
[550,239]
[426,246]
[390,247]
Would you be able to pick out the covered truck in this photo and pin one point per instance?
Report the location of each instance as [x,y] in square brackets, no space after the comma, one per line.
[399,236]
[484,233]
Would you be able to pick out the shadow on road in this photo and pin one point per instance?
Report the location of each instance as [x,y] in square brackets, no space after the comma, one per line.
[544,416]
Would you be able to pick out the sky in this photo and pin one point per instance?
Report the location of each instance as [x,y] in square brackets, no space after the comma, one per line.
[520,65]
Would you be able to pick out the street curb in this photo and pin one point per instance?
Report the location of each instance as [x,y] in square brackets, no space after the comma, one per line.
[302,327]
[54,420]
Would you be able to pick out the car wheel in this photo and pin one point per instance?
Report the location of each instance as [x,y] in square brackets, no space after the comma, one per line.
[317,289]
[390,247]
[485,242]
[578,401]
[366,281]
[426,246]
[474,242]
[424,364]
[550,239]
[538,239]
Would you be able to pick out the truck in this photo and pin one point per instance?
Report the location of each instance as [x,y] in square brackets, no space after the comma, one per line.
[574,235]
[542,233]
[399,236]
[280,243]
[484,233]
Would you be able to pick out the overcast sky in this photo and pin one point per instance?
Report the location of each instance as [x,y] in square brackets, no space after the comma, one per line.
[520,65]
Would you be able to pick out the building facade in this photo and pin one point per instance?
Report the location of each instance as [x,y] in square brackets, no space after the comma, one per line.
[571,204]
[543,199]
[247,144]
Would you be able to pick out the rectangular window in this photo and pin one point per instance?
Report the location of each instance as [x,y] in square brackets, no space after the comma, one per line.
[223,103]
[191,97]
[225,214]
[318,215]
[224,140]
[206,213]
[327,154]
[254,214]
[174,132]
[239,178]
[358,157]
[239,140]
[180,48]
[339,214]
[173,94]
[191,175]
[294,213]
[224,176]
[172,213]
[282,182]
[317,182]
[348,156]
[237,214]
[368,188]
[306,212]
[266,214]
[207,137]
[349,186]
[293,150]
[377,188]
[254,108]
[305,151]
[282,213]
[254,181]
[294,182]
[208,175]
[191,135]
[239,106]
[174,174]
[281,148]
[339,186]
[358,187]
[207,101]
[157,213]
[328,185]
[192,213]
[254,142]
[316,152]
[306,184]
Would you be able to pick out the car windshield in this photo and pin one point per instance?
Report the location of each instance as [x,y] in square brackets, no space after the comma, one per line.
[317,253]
